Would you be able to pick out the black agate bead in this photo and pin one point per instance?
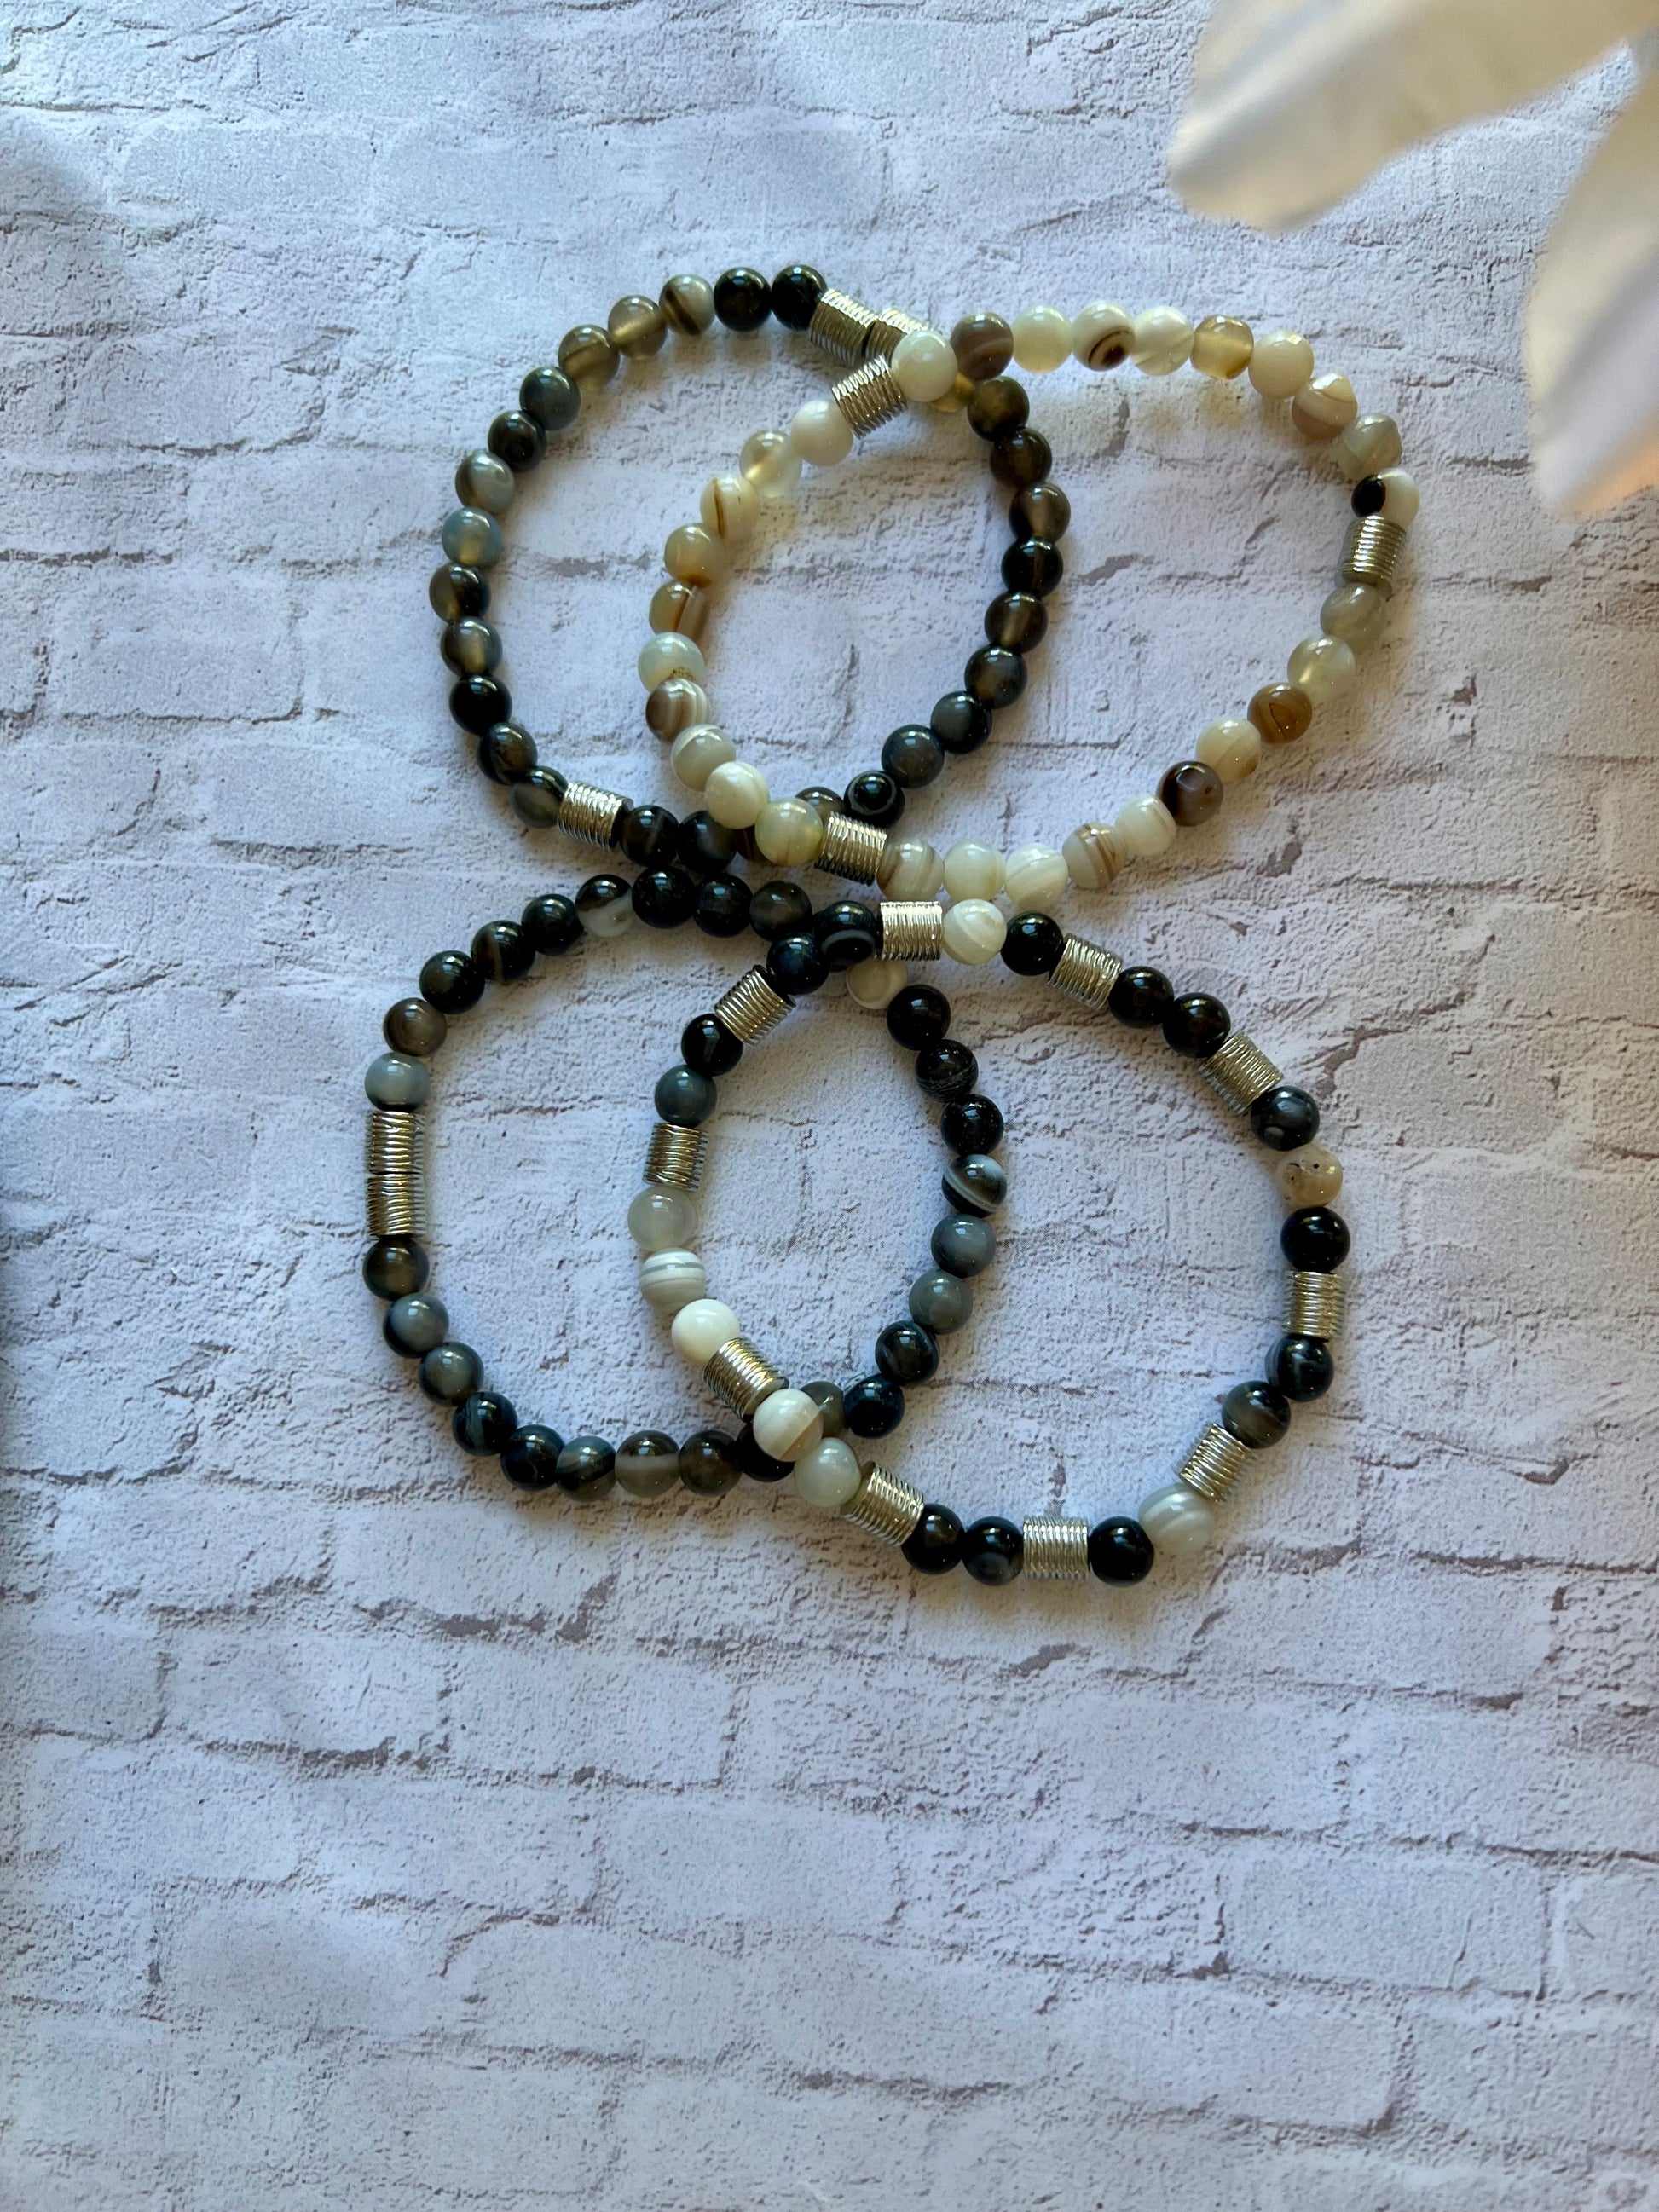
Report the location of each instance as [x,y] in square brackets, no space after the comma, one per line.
[1302,1367]
[946,1070]
[796,292]
[1284,1117]
[1257,1414]
[585,1469]
[484,1424]
[933,1547]
[1315,1239]
[906,1352]
[742,300]
[873,1406]
[919,1015]
[971,1125]
[992,1551]
[1033,945]
[1119,1551]
[1140,998]
[530,1459]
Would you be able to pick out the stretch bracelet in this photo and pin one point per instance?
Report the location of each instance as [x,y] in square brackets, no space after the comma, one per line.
[1178,1515]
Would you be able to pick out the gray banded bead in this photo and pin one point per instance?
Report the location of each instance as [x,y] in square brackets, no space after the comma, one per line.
[742,1377]
[886,1505]
[1056,1548]
[851,849]
[839,325]
[1086,972]
[1239,1071]
[1371,552]
[869,398]
[1313,1307]
[753,1006]
[1214,1463]
[394,1161]
[676,1156]
[590,813]
[911,929]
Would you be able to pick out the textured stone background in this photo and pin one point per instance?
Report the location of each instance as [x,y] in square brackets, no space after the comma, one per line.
[379,1839]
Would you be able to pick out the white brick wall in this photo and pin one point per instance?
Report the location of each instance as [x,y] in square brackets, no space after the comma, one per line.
[375,1839]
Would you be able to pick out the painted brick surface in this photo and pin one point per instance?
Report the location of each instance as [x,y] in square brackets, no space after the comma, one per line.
[373,1838]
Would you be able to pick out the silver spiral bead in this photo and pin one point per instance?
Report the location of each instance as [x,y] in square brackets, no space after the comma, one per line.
[1056,1548]
[869,398]
[742,1377]
[676,1156]
[851,849]
[886,1505]
[1214,1463]
[839,326]
[1086,972]
[1240,1071]
[394,1173]
[1313,1307]
[881,340]
[911,929]
[752,1007]
[587,812]
[1371,551]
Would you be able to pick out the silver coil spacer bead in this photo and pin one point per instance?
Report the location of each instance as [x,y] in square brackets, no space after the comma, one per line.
[1214,1463]
[587,812]
[1240,1071]
[752,1007]
[840,325]
[1371,552]
[911,929]
[742,1377]
[887,1506]
[1086,972]
[1056,1548]
[394,1165]
[851,849]
[869,398]
[1313,1307]
[676,1156]
[889,328]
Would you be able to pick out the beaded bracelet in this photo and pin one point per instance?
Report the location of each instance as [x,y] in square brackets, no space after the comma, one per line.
[1255,1415]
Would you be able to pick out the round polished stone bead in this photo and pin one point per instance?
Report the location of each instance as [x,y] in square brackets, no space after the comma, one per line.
[918,1016]
[974,1124]
[961,722]
[706,848]
[983,344]
[796,967]
[905,1352]
[503,951]
[946,1070]
[709,1463]
[1302,1367]
[1257,1414]
[412,1026]
[1281,712]
[1192,791]
[1021,459]
[796,292]
[941,1302]
[683,1099]
[415,1323]
[637,327]
[722,907]
[1000,406]
[873,797]
[665,897]
[873,1406]
[1017,619]
[551,398]
[484,481]
[1033,945]
[648,1463]
[457,592]
[450,1372]
[688,302]
[933,1547]
[587,355]
[506,753]
[518,439]
[832,1412]
[976,1183]
[1315,1239]
[759,1466]
[1033,565]
[742,300]
[478,703]
[1119,1551]
[451,982]
[1196,1026]
[846,933]
[992,1551]
[551,923]
[963,1244]
[1284,1117]
[778,911]
[394,1266]
[709,1047]
[912,756]
[1043,511]
[471,538]
[585,1469]
[538,795]
[1140,998]
[819,795]
[530,1458]
[995,676]
[648,836]
[482,1423]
